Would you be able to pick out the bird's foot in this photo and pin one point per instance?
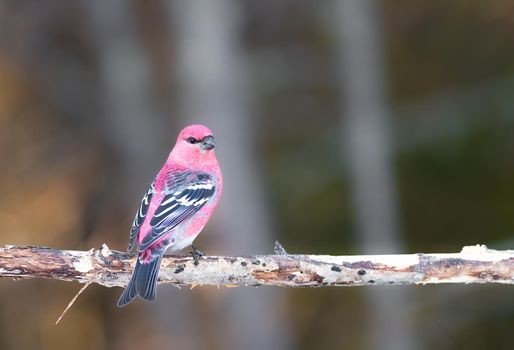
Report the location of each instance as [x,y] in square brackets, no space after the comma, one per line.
[279,249]
[196,255]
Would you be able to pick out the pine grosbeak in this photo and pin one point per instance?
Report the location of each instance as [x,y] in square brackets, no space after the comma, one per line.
[175,208]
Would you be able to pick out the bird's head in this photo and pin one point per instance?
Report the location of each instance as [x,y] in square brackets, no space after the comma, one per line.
[195,146]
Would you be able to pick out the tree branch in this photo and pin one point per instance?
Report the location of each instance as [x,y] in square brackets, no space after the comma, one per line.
[474,264]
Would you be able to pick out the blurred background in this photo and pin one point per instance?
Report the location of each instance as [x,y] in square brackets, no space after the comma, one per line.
[342,127]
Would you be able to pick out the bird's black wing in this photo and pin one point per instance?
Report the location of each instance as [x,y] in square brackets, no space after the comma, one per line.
[140,217]
[191,192]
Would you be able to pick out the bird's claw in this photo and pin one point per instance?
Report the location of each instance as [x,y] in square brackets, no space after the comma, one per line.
[196,254]
[279,249]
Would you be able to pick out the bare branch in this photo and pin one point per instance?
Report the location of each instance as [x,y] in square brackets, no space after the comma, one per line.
[474,264]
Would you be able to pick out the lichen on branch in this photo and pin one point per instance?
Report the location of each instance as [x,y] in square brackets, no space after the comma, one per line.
[109,268]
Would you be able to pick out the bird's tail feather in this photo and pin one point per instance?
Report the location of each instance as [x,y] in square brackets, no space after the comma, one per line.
[143,282]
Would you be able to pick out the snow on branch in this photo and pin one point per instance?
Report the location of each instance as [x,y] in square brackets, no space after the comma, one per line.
[109,268]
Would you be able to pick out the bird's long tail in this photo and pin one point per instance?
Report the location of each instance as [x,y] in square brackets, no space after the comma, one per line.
[143,281]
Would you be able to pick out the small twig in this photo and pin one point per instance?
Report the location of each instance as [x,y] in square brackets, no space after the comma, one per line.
[279,249]
[73,301]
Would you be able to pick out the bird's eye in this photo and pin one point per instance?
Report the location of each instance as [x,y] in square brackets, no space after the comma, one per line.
[192,140]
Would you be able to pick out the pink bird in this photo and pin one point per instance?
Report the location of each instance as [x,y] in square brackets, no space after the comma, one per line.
[175,208]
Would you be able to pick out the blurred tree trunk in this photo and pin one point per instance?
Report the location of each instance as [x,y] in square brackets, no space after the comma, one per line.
[366,131]
[212,72]
[135,133]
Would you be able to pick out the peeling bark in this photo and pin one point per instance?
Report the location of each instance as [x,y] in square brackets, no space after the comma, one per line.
[109,268]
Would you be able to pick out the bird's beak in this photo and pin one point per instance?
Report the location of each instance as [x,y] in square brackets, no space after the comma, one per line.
[208,143]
